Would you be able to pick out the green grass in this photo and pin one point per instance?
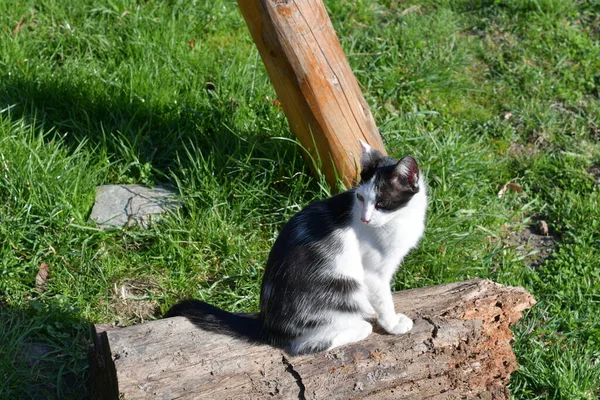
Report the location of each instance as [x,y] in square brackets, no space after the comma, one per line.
[481,92]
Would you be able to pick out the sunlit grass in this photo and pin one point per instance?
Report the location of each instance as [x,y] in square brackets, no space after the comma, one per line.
[175,93]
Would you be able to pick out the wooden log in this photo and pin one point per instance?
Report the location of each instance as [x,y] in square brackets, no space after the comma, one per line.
[459,347]
[313,80]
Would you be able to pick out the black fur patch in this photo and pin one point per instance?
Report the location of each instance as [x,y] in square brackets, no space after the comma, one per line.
[296,275]
[396,182]
[247,326]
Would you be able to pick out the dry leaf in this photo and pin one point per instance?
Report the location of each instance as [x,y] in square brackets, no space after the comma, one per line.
[390,107]
[543,227]
[19,26]
[411,9]
[275,102]
[41,279]
[513,187]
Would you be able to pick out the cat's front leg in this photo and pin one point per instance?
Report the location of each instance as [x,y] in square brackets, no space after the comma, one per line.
[380,297]
[397,325]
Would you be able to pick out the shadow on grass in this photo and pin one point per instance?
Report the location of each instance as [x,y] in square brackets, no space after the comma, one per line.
[134,131]
[45,343]
[44,352]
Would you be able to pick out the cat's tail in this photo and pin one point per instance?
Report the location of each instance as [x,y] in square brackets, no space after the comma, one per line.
[245,326]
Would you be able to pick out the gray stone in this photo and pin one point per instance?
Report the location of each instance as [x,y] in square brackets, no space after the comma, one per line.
[118,206]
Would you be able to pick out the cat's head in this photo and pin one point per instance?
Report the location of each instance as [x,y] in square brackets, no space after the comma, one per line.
[387,185]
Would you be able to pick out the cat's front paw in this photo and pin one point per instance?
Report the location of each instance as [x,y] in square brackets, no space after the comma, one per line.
[400,324]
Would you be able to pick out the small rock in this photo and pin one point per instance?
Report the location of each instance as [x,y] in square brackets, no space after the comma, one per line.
[34,352]
[359,386]
[118,206]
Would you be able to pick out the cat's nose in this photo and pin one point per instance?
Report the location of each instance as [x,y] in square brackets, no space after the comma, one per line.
[366,221]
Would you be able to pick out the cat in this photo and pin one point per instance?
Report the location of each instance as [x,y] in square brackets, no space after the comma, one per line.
[332,264]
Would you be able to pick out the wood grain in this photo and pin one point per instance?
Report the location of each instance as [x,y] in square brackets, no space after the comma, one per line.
[313,80]
[459,347]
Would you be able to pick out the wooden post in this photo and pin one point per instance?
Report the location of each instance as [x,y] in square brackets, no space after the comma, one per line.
[313,80]
[460,347]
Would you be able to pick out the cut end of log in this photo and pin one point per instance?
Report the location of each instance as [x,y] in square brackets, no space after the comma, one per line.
[459,347]
[498,313]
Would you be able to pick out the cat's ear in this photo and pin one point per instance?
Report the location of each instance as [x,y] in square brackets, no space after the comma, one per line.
[369,156]
[407,172]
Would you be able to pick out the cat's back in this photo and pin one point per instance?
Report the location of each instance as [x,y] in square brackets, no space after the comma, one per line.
[301,290]
[316,223]
[307,246]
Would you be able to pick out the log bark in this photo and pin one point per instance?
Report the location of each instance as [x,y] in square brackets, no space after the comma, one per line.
[459,347]
[321,97]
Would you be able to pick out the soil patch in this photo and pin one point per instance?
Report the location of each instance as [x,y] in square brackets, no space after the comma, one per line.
[134,302]
[533,244]
[594,170]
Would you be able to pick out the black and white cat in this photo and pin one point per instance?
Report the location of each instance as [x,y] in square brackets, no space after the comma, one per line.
[332,263]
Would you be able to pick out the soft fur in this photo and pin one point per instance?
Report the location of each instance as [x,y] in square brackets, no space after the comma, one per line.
[332,264]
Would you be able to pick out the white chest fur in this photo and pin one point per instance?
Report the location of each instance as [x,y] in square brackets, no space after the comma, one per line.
[382,248]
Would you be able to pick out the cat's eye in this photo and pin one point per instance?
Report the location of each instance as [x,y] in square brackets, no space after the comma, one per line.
[360,197]
[382,204]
